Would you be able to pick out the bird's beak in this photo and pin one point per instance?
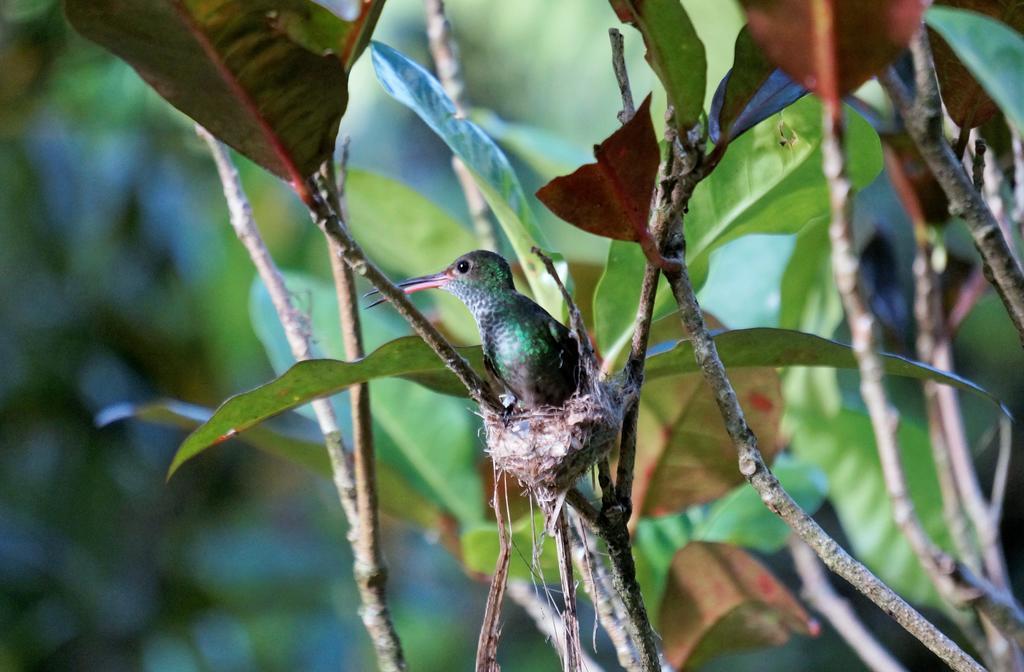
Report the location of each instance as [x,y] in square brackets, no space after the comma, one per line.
[414,285]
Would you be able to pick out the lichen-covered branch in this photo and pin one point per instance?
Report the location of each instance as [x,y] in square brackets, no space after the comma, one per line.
[357,495]
[774,496]
[817,590]
[523,593]
[923,119]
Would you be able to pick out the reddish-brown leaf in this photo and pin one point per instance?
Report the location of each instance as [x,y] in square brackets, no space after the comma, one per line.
[833,47]
[719,599]
[612,197]
[684,456]
[968,104]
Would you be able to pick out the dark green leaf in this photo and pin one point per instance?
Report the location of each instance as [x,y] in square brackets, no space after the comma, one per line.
[283,113]
[442,471]
[758,347]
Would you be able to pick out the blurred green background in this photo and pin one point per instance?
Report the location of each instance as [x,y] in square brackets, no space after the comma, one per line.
[120,280]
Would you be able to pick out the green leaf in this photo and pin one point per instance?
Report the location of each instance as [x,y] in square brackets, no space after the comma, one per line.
[993,52]
[302,445]
[770,181]
[743,286]
[742,348]
[444,473]
[674,51]
[480,550]
[410,84]
[545,152]
[283,112]
[409,235]
[741,518]
[410,358]
[843,446]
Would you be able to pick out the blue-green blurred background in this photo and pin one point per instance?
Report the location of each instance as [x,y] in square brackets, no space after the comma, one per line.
[120,280]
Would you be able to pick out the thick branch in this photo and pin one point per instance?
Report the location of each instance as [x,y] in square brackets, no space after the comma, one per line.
[370,568]
[358,498]
[445,53]
[753,467]
[923,120]
[826,601]
[327,219]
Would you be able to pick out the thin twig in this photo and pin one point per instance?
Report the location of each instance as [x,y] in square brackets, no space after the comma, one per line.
[884,418]
[523,594]
[445,53]
[817,590]
[370,568]
[753,467]
[621,75]
[490,630]
[978,164]
[923,120]
[327,219]
[376,616]
[930,332]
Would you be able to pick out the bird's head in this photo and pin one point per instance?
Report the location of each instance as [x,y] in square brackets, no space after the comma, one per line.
[474,278]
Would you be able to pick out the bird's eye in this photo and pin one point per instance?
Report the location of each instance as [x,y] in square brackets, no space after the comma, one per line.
[462,267]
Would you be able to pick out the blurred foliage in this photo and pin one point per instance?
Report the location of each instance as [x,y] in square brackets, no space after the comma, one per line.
[121,282]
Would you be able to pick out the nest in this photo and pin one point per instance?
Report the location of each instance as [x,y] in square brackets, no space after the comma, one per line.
[548,449]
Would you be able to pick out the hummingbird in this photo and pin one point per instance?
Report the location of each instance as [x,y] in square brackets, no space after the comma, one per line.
[526,350]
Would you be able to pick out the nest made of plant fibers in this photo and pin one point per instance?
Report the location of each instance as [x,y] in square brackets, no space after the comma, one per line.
[549,448]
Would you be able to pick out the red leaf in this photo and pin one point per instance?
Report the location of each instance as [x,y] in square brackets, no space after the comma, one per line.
[720,599]
[968,104]
[612,197]
[833,47]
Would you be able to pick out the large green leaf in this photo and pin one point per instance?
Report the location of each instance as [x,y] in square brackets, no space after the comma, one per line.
[843,446]
[674,51]
[992,51]
[410,358]
[770,181]
[410,84]
[299,443]
[444,471]
[268,77]
[762,346]
[409,235]
[741,518]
